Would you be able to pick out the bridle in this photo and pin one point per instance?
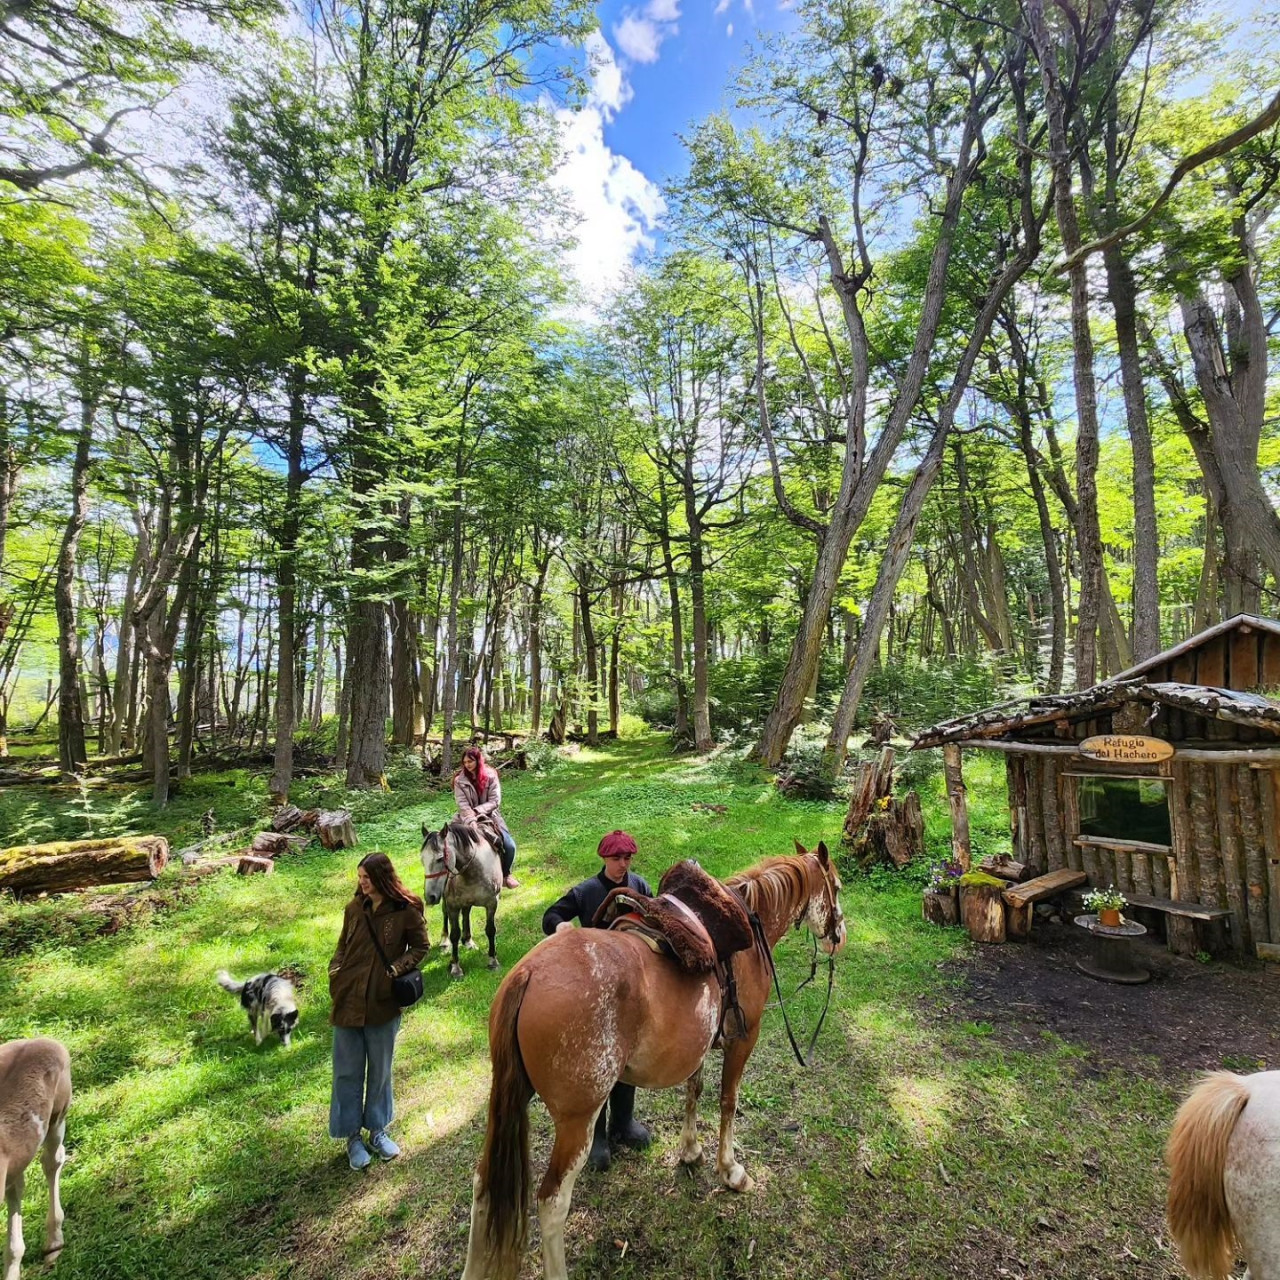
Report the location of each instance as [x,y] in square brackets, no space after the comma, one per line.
[453,871]
[832,934]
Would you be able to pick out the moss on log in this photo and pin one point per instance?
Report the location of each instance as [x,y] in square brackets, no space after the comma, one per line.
[65,865]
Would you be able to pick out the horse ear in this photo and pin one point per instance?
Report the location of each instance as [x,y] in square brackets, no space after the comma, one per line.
[426,831]
[800,849]
[821,851]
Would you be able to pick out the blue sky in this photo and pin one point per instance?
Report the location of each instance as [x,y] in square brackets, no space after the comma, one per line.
[657,68]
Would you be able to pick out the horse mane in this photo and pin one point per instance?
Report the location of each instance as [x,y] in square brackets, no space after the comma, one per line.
[777,888]
[460,830]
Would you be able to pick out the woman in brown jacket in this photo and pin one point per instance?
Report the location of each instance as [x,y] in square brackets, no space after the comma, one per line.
[365,1014]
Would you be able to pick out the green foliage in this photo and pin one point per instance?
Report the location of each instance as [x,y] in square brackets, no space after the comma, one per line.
[1108,899]
[918,694]
[543,758]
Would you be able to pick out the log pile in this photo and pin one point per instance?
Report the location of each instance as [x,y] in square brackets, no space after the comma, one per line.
[877,826]
[67,865]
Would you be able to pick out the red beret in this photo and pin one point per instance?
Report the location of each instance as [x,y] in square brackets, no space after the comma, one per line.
[616,842]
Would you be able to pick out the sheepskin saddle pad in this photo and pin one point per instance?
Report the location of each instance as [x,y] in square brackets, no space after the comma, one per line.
[701,922]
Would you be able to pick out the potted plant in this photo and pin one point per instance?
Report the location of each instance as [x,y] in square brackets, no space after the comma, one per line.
[1108,903]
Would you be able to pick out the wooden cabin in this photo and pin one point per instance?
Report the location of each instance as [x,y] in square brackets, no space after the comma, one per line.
[1198,828]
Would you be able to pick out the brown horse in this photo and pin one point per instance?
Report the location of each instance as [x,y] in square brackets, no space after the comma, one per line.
[589,1007]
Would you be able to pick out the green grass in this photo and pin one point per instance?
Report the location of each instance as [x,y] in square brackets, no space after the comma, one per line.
[918,1145]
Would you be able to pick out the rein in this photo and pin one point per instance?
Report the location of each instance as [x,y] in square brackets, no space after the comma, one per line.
[763,943]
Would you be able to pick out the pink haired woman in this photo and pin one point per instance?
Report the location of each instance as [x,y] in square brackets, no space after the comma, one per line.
[478,794]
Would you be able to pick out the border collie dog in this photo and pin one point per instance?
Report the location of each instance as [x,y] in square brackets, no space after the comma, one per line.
[269,1000]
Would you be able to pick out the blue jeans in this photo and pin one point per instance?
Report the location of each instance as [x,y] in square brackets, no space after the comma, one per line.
[508,853]
[362,1079]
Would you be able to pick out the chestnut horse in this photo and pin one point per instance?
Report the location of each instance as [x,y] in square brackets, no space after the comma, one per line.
[589,1007]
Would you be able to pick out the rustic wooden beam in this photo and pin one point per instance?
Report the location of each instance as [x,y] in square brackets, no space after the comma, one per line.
[960,844]
[1261,756]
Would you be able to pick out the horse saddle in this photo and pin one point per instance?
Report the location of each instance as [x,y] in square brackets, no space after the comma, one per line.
[702,922]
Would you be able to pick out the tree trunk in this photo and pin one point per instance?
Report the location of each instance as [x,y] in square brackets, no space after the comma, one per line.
[680,731]
[450,695]
[72,752]
[367,655]
[589,647]
[535,646]
[79,864]
[287,587]
[702,739]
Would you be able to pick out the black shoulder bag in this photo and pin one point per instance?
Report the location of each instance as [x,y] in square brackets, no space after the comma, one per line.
[407,988]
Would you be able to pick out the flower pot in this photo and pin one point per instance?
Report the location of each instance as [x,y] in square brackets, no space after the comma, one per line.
[1109,916]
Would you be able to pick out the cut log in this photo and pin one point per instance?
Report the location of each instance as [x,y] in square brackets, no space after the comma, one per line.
[286,818]
[1004,868]
[982,911]
[335,829]
[1020,899]
[253,865]
[77,864]
[274,843]
[940,906]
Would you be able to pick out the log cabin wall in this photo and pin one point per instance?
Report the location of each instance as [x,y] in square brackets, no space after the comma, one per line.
[1224,819]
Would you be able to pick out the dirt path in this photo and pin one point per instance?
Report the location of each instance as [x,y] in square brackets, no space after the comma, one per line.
[1190,1016]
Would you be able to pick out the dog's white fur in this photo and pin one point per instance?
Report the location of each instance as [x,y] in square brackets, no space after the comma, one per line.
[269,1000]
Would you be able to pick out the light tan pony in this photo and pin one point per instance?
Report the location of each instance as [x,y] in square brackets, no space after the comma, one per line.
[35,1092]
[1224,1176]
[589,1007]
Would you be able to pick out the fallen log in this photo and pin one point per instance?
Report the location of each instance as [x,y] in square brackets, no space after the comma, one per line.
[274,843]
[66,865]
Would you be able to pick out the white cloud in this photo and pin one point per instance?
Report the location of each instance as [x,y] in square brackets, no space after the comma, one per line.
[610,91]
[638,38]
[618,206]
[662,10]
[721,6]
[729,29]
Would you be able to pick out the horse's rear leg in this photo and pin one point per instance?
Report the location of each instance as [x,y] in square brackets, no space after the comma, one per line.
[690,1147]
[732,1174]
[491,932]
[52,1158]
[14,1248]
[573,1141]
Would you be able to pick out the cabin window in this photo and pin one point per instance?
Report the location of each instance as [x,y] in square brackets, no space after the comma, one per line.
[1125,809]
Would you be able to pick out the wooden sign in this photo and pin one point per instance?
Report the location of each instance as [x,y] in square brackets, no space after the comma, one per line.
[1126,748]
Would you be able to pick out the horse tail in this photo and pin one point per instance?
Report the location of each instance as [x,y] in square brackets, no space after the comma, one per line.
[503,1173]
[1199,1218]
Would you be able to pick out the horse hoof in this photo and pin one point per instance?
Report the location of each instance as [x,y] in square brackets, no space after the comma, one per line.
[691,1158]
[444,944]
[470,945]
[738,1180]
[493,963]
[455,971]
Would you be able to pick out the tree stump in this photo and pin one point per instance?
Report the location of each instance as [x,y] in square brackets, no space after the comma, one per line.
[982,910]
[66,865]
[335,829]
[941,907]
[252,865]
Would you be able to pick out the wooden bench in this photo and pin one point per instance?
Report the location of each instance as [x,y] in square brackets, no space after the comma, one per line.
[1019,899]
[1190,927]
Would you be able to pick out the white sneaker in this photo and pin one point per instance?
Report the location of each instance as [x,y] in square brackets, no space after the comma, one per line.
[358,1156]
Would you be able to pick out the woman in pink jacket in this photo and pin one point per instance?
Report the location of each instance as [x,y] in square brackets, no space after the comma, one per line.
[478,794]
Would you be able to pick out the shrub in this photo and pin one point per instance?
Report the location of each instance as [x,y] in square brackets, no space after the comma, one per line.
[542,757]
[1108,899]
[802,776]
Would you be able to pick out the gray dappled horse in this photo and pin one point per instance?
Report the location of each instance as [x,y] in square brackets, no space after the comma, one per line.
[463,870]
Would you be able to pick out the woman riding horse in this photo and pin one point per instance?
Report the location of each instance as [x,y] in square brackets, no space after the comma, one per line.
[478,795]
[588,1007]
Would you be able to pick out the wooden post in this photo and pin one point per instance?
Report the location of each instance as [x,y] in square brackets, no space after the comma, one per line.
[982,911]
[960,847]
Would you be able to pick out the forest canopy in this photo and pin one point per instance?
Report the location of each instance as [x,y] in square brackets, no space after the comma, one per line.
[948,376]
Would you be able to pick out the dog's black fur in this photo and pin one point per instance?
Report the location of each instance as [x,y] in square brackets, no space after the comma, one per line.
[269,1000]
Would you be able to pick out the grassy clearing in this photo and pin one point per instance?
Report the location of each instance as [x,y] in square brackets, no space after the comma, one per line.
[916,1147]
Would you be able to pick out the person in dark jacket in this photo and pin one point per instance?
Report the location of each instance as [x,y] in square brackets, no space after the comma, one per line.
[365,1014]
[478,794]
[581,903]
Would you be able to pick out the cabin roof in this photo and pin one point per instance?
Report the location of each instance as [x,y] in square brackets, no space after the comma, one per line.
[1006,720]
[1201,638]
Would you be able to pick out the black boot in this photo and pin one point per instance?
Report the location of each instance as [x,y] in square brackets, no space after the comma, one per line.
[600,1157]
[623,1127]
